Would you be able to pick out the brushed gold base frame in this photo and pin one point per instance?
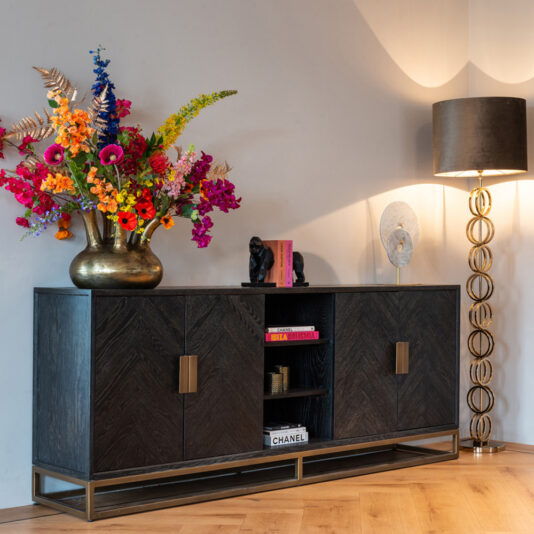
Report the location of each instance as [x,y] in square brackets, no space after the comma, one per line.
[89,488]
[489,447]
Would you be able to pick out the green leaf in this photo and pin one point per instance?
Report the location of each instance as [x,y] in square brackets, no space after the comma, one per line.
[123,138]
[77,175]
[53,103]
[80,159]
[187,210]
[164,206]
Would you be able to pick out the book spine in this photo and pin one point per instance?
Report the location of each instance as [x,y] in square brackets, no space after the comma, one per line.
[295,430]
[280,261]
[279,329]
[272,273]
[288,263]
[291,336]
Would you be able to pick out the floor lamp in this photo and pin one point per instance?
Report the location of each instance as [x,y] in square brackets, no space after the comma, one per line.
[477,137]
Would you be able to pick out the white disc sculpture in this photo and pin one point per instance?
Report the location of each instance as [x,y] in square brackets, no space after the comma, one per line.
[399,233]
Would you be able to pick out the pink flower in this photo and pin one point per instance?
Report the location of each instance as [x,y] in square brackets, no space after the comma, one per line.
[22,221]
[122,107]
[54,154]
[25,198]
[23,147]
[111,155]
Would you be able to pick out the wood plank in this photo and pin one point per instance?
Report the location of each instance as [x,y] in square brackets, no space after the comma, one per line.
[294,393]
[491,494]
[20,513]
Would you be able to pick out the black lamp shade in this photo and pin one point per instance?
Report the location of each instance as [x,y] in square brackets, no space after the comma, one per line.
[487,134]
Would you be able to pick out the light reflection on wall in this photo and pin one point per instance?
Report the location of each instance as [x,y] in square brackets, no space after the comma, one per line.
[433,41]
[427,40]
[501,40]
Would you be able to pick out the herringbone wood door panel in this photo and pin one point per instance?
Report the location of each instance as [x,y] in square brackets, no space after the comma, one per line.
[225,415]
[365,382]
[427,394]
[138,417]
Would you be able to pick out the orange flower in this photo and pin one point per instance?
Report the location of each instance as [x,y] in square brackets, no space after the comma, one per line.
[63,225]
[167,222]
[105,192]
[72,127]
[63,234]
[58,184]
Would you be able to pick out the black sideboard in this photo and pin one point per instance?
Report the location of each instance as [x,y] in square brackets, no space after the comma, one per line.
[153,398]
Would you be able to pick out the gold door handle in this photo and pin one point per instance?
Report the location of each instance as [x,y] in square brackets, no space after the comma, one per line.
[402,357]
[188,374]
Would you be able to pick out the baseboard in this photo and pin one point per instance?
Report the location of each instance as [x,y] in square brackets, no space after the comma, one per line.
[519,447]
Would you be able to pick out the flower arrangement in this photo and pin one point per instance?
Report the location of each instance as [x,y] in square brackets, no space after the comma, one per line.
[97,165]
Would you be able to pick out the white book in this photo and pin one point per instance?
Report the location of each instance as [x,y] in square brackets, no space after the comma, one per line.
[282,329]
[295,438]
[284,431]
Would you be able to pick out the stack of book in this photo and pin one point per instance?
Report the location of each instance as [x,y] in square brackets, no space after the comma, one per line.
[290,333]
[280,434]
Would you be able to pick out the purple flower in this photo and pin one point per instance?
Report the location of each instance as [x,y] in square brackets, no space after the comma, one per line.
[200,232]
[111,155]
[54,154]
[200,169]
[219,194]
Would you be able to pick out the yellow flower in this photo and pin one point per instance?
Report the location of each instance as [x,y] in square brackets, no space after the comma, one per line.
[174,125]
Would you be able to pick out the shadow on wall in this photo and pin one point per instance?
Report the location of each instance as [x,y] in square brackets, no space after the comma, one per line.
[507,323]
[317,270]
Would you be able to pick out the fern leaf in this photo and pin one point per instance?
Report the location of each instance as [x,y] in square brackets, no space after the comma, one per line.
[99,105]
[55,80]
[37,128]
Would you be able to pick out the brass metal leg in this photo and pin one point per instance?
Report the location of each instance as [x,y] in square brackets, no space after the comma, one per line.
[90,501]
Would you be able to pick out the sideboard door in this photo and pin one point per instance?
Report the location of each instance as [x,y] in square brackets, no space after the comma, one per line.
[428,393]
[225,414]
[138,412]
[365,383]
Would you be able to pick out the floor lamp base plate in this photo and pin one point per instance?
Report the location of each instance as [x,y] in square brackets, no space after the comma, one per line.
[479,448]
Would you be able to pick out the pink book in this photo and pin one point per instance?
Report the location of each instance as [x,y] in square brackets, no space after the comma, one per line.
[291,336]
[288,263]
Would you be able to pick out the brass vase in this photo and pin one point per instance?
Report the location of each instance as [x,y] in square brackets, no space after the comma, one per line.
[112,260]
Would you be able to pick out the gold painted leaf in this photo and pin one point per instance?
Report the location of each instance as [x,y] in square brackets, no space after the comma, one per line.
[38,128]
[55,80]
[99,105]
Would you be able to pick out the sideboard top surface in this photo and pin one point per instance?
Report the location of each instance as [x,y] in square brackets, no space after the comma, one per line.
[232,290]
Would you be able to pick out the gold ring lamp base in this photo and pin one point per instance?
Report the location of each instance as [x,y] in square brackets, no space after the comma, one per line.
[480,448]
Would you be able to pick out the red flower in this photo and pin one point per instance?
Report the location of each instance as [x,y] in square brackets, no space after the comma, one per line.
[127,220]
[24,145]
[22,221]
[145,209]
[122,107]
[133,152]
[159,163]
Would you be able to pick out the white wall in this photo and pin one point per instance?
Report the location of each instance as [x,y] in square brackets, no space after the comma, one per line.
[502,57]
[332,122]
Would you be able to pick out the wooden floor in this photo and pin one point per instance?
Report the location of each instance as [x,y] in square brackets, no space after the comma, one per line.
[472,495]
